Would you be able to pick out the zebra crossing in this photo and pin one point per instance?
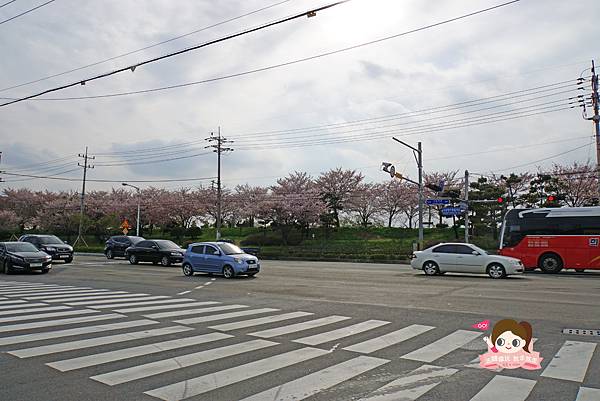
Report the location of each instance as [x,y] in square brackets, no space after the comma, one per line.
[171,346]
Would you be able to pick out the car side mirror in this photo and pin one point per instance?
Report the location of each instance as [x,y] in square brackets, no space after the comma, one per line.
[475,253]
[217,253]
[154,247]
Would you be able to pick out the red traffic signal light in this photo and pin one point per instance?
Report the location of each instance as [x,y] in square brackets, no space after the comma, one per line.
[551,198]
[500,200]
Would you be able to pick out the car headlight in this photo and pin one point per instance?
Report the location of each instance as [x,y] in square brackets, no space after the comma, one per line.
[48,257]
[175,253]
[49,248]
[238,260]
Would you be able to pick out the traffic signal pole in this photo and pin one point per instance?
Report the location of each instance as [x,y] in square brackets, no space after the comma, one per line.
[467,203]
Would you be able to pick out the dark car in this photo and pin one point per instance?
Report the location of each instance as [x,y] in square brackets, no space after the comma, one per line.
[116,245]
[156,251]
[52,245]
[23,256]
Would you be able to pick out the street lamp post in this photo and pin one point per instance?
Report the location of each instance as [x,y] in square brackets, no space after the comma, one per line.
[137,221]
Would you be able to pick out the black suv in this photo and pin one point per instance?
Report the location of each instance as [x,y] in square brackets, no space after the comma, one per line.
[116,245]
[52,245]
[156,251]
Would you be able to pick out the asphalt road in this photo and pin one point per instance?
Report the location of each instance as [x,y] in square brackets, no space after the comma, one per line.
[298,330]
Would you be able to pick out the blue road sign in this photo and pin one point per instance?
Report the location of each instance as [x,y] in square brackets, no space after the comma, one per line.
[438,201]
[452,211]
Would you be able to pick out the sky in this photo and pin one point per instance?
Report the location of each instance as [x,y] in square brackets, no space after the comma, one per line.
[308,116]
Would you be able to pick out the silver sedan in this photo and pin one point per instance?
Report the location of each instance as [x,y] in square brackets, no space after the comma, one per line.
[464,258]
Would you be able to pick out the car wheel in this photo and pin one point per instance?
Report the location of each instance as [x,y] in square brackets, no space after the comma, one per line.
[133,259]
[551,263]
[109,254]
[496,270]
[165,261]
[187,270]
[431,268]
[44,271]
[228,272]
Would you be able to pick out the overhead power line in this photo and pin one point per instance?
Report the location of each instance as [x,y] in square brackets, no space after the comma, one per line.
[284,64]
[74,179]
[544,159]
[7,3]
[140,49]
[24,12]
[132,67]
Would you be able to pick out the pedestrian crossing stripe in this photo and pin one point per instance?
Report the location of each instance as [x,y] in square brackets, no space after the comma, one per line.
[588,394]
[47,315]
[571,362]
[443,346]
[64,294]
[162,315]
[511,389]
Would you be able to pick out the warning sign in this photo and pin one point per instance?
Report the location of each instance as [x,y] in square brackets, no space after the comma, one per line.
[125,226]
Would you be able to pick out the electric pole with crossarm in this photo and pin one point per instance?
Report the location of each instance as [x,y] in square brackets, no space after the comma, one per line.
[85,166]
[218,148]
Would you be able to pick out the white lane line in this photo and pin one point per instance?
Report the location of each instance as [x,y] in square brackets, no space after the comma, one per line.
[58,322]
[341,333]
[125,303]
[12,302]
[194,311]
[180,362]
[121,294]
[2,298]
[183,292]
[96,341]
[259,321]
[78,293]
[21,305]
[126,353]
[231,315]
[588,394]
[571,361]
[294,328]
[209,283]
[389,339]
[46,315]
[505,388]
[162,307]
[412,385]
[24,338]
[212,381]
[34,291]
[137,298]
[443,346]
[316,382]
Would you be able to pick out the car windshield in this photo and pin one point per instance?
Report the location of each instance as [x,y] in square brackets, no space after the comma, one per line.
[50,239]
[21,247]
[230,249]
[135,240]
[166,244]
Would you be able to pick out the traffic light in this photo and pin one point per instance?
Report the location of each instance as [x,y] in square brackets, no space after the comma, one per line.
[500,199]
[551,198]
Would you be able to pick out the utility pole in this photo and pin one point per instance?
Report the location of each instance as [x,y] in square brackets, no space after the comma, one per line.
[1,180]
[418,154]
[467,206]
[595,118]
[218,149]
[85,166]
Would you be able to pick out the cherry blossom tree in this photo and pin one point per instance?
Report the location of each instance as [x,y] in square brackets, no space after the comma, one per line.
[336,187]
[366,202]
[578,184]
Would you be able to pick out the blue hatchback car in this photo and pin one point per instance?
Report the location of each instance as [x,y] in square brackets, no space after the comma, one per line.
[220,258]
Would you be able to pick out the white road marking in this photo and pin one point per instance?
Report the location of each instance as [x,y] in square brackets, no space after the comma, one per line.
[121,304]
[118,355]
[36,290]
[194,311]
[12,303]
[96,341]
[294,328]
[588,394]
[443,346]
[58,322]
[122,294]
[341,333]
[183,292]
[209,283]
[412,385]
[46,315]
[137,298]
[258,321]
[389,339]
[212,381]
[161,307]
[78,293]
[24,338]
[571,361]
[508,388]
[231,315]
[43,309]
[316,382]
[184,361]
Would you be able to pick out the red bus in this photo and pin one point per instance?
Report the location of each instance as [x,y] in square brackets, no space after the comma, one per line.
[553,238]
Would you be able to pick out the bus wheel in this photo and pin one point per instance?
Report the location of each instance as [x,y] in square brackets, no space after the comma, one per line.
[551,263]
